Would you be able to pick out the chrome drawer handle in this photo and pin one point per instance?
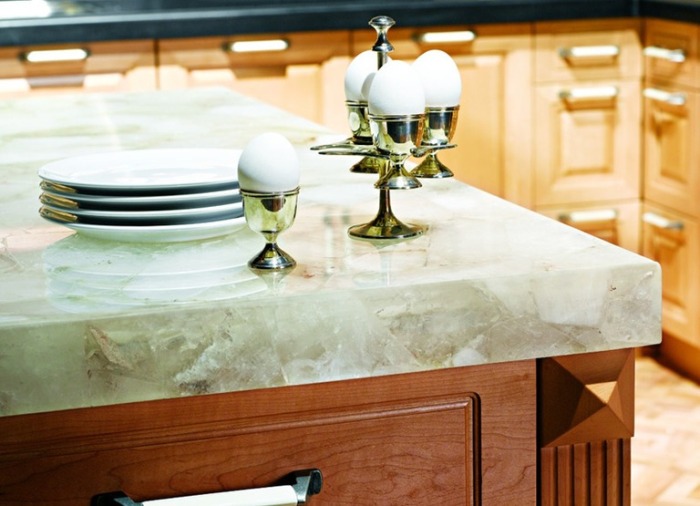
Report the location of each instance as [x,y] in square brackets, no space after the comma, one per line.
[446,37]
[605,51]
[658,221]
[661,53]
[589,216]
[596,93]
[664,96]
[257,46]
[306,483]
[55,55]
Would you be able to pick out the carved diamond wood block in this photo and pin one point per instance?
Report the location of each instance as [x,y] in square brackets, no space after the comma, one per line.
[586,398]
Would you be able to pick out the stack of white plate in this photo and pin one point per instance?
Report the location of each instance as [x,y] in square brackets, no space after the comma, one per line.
[156,195]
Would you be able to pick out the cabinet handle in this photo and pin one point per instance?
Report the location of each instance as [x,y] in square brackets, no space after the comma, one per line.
[595,93]
[305,483]
[666,97]
[672,55]
[589,216]
[658,221]
[449,37]
[257,46]
[606,51]
[54,55]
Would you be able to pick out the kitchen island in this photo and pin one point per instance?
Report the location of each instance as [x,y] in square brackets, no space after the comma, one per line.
[488,361]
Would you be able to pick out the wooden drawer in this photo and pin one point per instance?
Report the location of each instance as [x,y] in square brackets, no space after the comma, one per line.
[584,50]
[673,240]
[302,72]
[672,154]
[104,66]
[587,142]
[671,52]
[457,436]
[618,223]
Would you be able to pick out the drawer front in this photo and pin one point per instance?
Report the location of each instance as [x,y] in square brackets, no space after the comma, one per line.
[254,51]
[673,240]
[101,66]
[671,52]
[587,142]
[457,436]
[618,223]
[672,155]
[566,51]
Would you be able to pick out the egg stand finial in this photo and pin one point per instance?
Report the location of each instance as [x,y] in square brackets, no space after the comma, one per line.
[382,46]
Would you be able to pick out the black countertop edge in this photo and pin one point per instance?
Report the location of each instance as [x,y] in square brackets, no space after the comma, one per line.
[199,22]
[688,11]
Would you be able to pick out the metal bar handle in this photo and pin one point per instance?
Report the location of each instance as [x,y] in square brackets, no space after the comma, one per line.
[658,221]
[305,484]
[661,53]
[596,216]
[666,97]
[603,51]
[594,93]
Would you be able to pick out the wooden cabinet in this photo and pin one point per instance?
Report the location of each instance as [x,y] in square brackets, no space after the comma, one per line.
[299,72]
[672,181]
[92,67]
[587,121]
[493,133]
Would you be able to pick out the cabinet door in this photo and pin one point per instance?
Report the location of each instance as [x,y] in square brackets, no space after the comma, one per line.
[672,155]
[98,67]
[671,52]
[290,71]
[673,240]
[587,142]
[493,136]
[617,223]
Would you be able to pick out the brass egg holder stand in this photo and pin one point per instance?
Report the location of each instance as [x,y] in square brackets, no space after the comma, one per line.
[385,143]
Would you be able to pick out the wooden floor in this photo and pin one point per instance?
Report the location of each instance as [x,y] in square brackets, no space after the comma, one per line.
[666,446]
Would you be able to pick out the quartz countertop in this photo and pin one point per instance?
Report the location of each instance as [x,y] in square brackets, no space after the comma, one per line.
[86,321]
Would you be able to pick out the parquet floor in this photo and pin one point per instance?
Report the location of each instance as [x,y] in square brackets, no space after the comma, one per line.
[666,445]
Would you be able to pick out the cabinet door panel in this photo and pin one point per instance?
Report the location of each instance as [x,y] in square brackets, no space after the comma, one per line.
[586,146]
[672,175]
[672,240]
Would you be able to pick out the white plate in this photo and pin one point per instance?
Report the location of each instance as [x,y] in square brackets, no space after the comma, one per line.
[139,217]
[147,171]
[58,197]
[164,233]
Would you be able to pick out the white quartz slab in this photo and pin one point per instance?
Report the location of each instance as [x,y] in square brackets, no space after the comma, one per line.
[86,322]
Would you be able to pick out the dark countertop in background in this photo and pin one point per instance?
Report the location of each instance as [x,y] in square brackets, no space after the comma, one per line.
[92,20]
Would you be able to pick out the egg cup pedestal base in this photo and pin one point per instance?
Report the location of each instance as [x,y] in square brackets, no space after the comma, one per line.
[432,168]
[272,257]
[385,225]
[368,165]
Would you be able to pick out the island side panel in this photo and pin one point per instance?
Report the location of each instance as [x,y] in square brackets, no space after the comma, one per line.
[463,435]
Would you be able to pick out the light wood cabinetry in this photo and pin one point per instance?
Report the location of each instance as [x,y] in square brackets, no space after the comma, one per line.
[298,72]
[91,67]
[672,181]
[493,136]
[588,124]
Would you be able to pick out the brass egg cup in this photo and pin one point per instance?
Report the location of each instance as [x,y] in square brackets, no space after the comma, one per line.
[439,128]
[270,214]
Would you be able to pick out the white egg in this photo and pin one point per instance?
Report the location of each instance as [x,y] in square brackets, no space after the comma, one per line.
[268,164]
[360,68]
[396,90]
[440,77]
